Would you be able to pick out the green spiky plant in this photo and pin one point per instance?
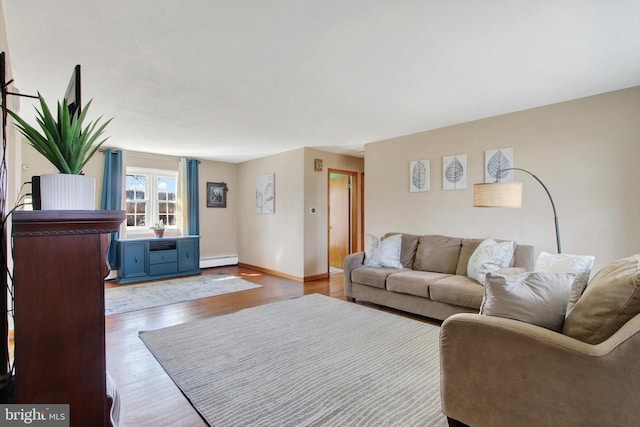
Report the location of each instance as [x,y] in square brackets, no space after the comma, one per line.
[64,142]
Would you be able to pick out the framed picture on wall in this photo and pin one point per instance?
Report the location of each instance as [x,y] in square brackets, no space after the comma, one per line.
[495,163]
[419,175]
[266,193]
[454,172]
[216,194]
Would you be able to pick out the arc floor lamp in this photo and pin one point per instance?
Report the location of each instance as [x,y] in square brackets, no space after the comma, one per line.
[509,195]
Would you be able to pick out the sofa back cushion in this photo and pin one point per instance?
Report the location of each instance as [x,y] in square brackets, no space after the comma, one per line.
[467,249]
[438,254]
[408,248]
[610,300]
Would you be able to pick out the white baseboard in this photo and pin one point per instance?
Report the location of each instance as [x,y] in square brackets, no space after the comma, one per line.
[218,261]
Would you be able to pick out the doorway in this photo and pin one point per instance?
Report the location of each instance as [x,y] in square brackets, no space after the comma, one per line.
[343,216]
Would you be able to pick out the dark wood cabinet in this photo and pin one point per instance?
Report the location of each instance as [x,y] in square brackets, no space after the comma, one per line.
[59,271]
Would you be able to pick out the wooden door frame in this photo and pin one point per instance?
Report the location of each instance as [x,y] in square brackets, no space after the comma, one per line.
[354,207]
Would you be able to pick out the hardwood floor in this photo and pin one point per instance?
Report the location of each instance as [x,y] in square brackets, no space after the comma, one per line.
[148,395]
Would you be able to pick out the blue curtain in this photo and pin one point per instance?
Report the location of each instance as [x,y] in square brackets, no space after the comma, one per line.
[192,197]
[112,195]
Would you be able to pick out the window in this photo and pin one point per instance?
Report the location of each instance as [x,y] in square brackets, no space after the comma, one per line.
[151,197]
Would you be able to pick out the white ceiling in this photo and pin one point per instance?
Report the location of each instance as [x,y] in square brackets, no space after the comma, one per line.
[233,80]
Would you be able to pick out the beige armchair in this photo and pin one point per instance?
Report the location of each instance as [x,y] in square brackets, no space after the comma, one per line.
[502,372]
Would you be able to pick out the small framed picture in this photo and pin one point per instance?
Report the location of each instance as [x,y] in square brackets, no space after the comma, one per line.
[317,165]
[217,194]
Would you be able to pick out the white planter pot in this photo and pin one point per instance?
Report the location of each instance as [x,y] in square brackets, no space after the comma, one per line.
[67,192]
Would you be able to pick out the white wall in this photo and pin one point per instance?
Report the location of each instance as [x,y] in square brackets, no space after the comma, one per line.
[586,151]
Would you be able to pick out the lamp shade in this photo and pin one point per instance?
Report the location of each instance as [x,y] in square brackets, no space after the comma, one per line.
[498,195]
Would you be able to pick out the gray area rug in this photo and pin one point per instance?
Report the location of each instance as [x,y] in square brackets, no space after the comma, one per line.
[126,298]
[308,361]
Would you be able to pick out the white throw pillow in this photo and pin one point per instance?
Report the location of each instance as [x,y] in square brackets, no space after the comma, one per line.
[533,297]
[370,249]
[580,265]
[383,253]
[489,256]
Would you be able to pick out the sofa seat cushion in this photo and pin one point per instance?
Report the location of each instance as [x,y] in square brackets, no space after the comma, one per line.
[371,276]
[413,282]
[457,290]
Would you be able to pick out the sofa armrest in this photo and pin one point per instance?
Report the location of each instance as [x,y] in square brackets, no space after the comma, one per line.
[502,372]
[351,262]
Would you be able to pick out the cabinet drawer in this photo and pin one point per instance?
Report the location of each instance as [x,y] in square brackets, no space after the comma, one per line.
[165,268]
[157,257]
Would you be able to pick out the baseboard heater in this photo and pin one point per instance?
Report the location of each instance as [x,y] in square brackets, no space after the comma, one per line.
[218,261]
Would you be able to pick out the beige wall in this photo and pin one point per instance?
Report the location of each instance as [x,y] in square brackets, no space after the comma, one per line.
[273,241]
[316,190]
[13,154]
[292,240]
[586,151]
[217,225]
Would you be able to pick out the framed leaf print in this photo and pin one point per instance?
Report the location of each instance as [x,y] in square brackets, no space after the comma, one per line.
[495,163]
[419,175]
[454,172]
[266,193]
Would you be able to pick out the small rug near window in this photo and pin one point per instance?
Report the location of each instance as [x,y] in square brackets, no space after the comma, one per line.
[126,298]
[307,361]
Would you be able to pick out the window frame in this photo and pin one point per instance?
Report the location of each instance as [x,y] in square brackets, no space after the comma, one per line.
[152,209]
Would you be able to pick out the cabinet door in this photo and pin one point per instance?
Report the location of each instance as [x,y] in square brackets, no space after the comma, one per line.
[133,259]
[188,255]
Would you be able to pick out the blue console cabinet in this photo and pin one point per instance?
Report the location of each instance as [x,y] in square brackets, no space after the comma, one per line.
[158,258]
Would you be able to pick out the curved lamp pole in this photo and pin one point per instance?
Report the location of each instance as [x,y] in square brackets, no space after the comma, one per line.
[497,204]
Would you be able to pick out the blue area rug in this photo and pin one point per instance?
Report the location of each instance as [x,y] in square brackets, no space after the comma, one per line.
[126,298]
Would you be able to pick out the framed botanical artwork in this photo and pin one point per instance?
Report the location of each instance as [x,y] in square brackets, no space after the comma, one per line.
[419,175]
[217,194]
[266,193]
[317,165]
[454,172]
[495,163]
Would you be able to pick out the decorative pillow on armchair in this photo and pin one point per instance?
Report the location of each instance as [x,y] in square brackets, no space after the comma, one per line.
[489,256]
[611,300]
[533,297]
[383,253]
[580,265]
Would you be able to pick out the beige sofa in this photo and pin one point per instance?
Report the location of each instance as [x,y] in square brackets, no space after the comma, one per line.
[498,372]
[434,280]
